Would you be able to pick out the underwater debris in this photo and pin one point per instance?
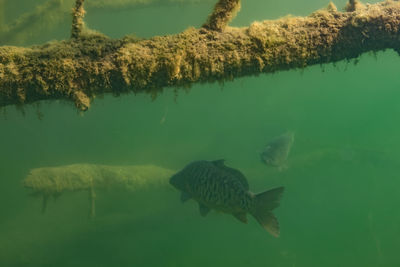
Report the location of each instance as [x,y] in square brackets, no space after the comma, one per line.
[353,5]
[53,181]
[164,117]
[79,69]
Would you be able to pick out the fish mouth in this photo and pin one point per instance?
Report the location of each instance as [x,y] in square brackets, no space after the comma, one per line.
[174,181]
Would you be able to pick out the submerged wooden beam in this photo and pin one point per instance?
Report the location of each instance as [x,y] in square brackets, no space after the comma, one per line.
[91,64]
[52,182]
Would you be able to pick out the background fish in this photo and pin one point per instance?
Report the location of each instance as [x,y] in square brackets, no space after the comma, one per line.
[277,151]
[216,186]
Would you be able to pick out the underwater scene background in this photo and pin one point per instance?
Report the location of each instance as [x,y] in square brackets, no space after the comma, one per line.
[341,202]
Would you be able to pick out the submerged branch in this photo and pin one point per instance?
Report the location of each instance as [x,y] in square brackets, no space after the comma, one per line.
[353,5]
[77,19]
[79,69]
[224,12]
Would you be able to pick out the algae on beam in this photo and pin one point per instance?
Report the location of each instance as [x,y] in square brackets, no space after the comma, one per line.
[79,69]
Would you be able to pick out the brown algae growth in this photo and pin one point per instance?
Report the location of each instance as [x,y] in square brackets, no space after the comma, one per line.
[53,181]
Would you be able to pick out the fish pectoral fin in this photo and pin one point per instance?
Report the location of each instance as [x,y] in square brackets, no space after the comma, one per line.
[241,216]
[185,196]
[204,210]
[219,163]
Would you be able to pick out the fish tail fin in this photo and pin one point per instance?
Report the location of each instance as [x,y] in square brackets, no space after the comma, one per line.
[265,202]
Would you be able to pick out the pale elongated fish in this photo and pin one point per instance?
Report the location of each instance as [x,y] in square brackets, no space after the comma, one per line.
[277,151]
[216,186]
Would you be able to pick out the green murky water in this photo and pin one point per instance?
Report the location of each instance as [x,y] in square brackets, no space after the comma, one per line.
[341,204]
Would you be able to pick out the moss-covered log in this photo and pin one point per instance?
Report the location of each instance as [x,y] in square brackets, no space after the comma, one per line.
[92,64]
[52,182]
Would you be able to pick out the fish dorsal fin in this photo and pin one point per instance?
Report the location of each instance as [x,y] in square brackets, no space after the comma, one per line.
[204,210]
[219,163]
[238,175]
[185,196]
[241,217]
